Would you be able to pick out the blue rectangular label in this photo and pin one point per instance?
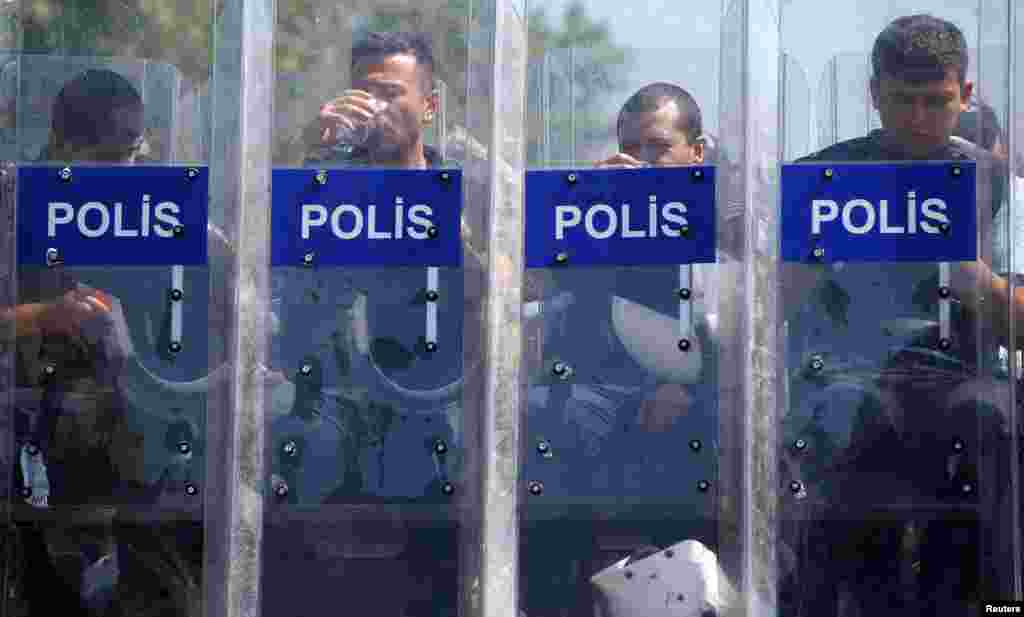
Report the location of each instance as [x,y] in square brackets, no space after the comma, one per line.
[862,212]
[116,216]
[362,217]
[620,217]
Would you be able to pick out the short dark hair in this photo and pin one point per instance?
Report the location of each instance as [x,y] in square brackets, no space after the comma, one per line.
[653,96]
[980,125]
[919,48]
[379,45]
[84,112]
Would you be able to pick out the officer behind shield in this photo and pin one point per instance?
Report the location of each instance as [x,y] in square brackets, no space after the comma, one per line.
[889,413]
[76,454]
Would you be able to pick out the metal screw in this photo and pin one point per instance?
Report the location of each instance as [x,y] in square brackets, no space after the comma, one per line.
[306,370]
[796,487]
[562,370]
[290,448]
[192,173]
[945,292]
[684,344]
[65,174]
[562,258]
[571,178]
[800,444]
[49,370]
[175,347]
[184,447]
[440,447]
[957,171]
[178,231]
[967,488]
[703,486]
[448,488]
[697,174]
[684,294]
[307,259]
[432,232]
[817,364]
[320,177]
[829,173]
[536,488]
[544,448]
[191,489]
[669,554]
[958,445]
[430,346]
[680,598]
[945,344]
[177,294]
[281,490]
[53,257]
[818,253]
[684,231]
[433,296]
[629,574]
[944,228]
[445,176]
[695,445]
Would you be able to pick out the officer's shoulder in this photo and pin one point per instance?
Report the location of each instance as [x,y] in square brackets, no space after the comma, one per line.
[857,149]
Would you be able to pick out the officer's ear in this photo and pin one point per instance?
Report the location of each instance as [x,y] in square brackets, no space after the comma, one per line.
[698,151]
[433,104]
[966,92]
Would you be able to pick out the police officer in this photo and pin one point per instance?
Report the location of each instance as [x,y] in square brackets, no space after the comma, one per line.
[873,382]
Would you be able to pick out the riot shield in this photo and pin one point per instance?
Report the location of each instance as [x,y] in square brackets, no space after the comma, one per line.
[895,438]
[106,220]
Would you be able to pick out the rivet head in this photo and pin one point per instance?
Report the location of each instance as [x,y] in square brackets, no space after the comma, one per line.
[684,344]
[191,489]
[669,554]
[571,178]
[177,295]
[184,447]
[536,488]
[433,296]
[795,487]
[430,346]
[562,370]
[945,344]
[175,347]
[944,228]
[65,174]
[703,486]
[433,232]
[192,173]
[290,448]
[800,444]
[306,370]
[697,174]
[967,488]
[440,447]
[178,231]
[308,258]
[320,177]
[562,258]
[49,370]
[684,294]
[957,171]
[695,445]
[629,574]
[543,447]
[281,490]
[445,176]
[448,488]
[959,445]
[817,363]
[32,449]
[53,257]
[945,292]
[818,253]
[684,231]
[680,598]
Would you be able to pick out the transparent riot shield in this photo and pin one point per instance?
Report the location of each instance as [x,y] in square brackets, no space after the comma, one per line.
[620,443]
[108,356]
[366,435]
[897,429]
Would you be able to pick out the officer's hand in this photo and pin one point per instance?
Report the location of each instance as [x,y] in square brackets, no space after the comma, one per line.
[620,160]
[66,316]
[353,108]
[660,410]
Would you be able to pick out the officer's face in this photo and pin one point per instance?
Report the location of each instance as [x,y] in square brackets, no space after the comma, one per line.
[396,79]
[920,116]
[655,137]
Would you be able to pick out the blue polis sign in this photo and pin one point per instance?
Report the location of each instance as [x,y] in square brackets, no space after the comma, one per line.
[361,217]
[867,212]
[620,217]
[87,216]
